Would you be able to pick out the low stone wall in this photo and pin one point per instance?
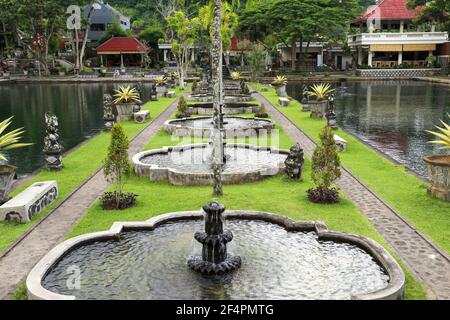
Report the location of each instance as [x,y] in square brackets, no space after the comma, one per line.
[175,177]
[393,291]
[395,73]
[232,108]
[176,128]
[227,99]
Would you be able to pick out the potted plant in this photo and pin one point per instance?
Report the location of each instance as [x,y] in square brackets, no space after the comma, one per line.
[8,141]
[318,105]
[125,102]
[161,86]
[280,85]
[439,165]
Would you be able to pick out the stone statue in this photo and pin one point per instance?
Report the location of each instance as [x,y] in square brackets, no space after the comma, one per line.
[153,93]
[52,148]
[305,98]
[108,116]
[331,114]
[294,162]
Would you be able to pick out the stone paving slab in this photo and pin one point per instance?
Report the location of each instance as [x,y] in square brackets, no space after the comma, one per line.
[18,262]
[430,264]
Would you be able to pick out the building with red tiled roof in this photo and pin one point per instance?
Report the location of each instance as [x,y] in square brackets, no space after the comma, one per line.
[389,36]
[125,48]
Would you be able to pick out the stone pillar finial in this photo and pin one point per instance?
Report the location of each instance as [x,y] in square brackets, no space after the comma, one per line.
[52,147]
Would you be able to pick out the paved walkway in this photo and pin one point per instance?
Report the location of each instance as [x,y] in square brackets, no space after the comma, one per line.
[424,259]
[18,262]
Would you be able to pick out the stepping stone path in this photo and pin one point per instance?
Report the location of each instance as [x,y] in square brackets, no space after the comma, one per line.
[17,261]
[424,259]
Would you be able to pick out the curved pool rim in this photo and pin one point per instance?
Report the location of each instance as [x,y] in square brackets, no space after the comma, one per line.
[393,291]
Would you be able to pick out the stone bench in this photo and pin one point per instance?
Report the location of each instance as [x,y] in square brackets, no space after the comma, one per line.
[29,202]
[341,144]
[284,102]
[170,94]
[141,116]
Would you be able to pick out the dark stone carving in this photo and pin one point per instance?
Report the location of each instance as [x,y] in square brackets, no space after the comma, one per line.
[153,93]
[331,114]
[108,115]
[52,148]
[305,99]
[215,258]
[42,203]
[294,162]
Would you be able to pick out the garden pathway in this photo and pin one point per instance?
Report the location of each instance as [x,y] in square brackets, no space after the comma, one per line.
[19,259]
[420,255]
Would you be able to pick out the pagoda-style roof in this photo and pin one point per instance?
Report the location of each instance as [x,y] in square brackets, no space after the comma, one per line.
[118,45]
[389,10]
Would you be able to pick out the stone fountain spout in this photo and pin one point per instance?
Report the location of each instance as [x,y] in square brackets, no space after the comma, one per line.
[215,258]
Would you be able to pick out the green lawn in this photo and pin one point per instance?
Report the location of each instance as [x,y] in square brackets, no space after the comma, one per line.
[78,166]
[402,190]
[276,194]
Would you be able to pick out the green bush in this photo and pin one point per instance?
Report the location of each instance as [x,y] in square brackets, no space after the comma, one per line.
[182,108]
[194,86]
[117,168]
[325,169]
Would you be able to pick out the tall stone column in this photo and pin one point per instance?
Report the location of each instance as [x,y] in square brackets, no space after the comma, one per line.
[217,138]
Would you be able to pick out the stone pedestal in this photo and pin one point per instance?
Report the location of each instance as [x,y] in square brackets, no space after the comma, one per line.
[439,171]
[318,109]
[284,102]
[281,91]
[7,173]
[125,111]
[161,91]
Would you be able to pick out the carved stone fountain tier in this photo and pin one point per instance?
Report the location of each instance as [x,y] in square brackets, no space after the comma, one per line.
[234,127]
[206,108]
[215,258]
[191,164]
[228,98]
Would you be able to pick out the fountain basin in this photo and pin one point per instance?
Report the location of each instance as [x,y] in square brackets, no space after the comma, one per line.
[304,261]
[191,164]
[206,108]
[234,127]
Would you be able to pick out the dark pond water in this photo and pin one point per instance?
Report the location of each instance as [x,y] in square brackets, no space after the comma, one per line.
[78,107]
[276,264]
[391,116]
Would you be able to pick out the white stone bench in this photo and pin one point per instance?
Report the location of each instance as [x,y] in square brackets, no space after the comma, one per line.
[29,202]
[170,94]
[341,144]
[284,102]
[141,116]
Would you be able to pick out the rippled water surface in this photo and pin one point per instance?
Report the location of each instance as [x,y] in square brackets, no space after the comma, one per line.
[392,116]
[276,265]
[199,160]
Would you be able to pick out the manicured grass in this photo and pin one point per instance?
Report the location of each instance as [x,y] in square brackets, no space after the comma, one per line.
[78,166]
[402,190]
[277,194]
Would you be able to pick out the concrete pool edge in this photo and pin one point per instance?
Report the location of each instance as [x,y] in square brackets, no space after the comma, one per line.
[394,290]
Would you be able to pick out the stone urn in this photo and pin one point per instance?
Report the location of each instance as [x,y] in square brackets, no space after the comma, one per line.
[281,90]
[439,171]
[161,91]
[7,174]
[318,108]
[124,111]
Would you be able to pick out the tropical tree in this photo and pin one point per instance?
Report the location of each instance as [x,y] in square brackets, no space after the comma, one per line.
[184,31]
[256,59]
[434,11]
[114,30]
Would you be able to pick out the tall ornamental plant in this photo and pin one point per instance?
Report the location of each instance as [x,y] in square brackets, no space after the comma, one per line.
[325,170]
[117,168]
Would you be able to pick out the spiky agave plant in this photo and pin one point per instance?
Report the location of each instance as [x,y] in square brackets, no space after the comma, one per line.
[235,75]
[126,95]
[443,134]
[161,81]
[321,91]
[10,140]
[279,81]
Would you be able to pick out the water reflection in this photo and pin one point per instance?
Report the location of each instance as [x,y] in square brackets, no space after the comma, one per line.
[391,116]
[78,107]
